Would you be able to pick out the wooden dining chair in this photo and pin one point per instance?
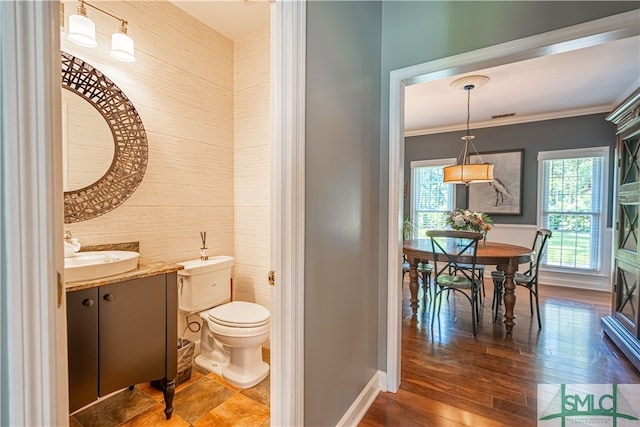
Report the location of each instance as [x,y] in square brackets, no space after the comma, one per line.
[449,274]
[528,279]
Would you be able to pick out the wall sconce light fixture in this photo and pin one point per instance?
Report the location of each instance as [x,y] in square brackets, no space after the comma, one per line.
[82,31]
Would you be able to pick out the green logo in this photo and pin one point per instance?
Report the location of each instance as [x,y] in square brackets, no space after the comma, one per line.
[580,407]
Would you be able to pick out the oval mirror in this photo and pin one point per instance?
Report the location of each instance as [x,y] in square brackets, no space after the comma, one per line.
[87,143]
[129,142]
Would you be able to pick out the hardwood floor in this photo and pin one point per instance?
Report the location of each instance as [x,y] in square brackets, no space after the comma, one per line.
[450,378]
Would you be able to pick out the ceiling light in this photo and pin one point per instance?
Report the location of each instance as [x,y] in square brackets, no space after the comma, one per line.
[463,172]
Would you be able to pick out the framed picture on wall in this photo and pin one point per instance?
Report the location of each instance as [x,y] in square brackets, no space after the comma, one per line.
[503,196]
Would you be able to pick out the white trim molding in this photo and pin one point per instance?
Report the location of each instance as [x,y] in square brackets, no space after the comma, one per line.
[363,402]
[33,347]
[579,36]
[288,70]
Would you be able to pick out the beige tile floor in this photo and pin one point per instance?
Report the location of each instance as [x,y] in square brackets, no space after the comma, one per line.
[204,400]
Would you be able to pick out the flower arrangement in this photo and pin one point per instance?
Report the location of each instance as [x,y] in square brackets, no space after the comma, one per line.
[464,219]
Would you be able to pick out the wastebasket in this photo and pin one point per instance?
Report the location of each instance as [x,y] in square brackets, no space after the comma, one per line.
[186,349]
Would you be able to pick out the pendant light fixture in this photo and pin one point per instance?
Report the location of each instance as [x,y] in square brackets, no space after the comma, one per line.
[82,31]
[463,172]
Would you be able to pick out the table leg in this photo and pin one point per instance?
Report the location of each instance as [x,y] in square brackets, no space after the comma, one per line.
[413,285]
[509,296]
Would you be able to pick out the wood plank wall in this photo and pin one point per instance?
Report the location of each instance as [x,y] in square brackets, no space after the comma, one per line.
[252,167]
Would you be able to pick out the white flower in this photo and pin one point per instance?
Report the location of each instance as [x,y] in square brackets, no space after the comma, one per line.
[464,219]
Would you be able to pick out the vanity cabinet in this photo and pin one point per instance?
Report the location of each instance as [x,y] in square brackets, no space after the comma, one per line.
[122,334]
[82,343]
[623,325]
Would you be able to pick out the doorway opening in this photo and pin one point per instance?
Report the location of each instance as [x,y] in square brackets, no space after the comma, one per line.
[575,37]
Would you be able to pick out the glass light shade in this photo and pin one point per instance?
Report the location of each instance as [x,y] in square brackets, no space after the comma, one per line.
[122,47]
[82,31]
[468,174]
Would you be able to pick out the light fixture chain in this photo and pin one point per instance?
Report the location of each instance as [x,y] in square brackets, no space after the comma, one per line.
[468,107]
[469,138]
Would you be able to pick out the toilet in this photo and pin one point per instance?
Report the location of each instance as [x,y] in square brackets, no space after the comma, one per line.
[232,332]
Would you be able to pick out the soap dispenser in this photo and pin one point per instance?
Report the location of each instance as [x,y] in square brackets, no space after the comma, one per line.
[71,245]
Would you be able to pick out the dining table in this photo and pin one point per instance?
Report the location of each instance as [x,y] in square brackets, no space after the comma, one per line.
[504,256]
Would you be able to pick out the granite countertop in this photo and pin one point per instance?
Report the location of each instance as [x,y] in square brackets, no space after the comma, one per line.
[146,268]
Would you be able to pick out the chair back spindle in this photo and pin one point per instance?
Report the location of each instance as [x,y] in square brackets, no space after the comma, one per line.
[455,267]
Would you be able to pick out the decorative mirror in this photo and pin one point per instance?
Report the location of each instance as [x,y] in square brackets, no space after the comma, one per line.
[130,146]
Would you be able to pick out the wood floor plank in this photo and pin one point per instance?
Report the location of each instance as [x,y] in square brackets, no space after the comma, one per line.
[450,378]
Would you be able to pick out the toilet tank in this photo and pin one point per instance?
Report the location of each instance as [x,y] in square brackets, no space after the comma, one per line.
[204,284]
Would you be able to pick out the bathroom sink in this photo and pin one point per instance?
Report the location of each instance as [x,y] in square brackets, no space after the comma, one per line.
[98,264]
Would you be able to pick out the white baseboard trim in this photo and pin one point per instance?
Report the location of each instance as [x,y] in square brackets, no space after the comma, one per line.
[578,281]
[361,405]
[601,285]
[382,376]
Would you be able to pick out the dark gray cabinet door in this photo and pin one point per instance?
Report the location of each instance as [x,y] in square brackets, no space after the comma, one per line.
[133,332]
[623,326]
[82,346]
[627,280]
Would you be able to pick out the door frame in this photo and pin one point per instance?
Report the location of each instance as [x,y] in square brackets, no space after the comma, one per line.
[288,72]
[33,344]
[574,37]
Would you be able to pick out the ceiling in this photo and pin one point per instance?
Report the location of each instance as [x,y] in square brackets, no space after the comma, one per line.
[584,81]
[232,18]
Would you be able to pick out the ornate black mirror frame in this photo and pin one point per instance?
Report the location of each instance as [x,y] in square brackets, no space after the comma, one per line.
[131,148]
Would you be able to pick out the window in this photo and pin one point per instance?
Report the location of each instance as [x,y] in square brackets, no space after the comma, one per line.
[430,197]
[572,205]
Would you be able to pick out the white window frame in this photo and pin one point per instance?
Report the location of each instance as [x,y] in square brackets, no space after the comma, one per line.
[415,164]
[604,192]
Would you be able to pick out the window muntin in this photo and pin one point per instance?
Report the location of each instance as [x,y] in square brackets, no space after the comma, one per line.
[572,206]
[430,197]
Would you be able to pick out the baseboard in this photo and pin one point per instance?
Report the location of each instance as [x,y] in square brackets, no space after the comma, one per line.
[566,280]
[361,405]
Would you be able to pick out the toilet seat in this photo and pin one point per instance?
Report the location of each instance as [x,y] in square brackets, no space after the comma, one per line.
[239,314]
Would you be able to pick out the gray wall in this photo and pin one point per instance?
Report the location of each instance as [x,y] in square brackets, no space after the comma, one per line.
[560,134]
[342,176]
[414,32]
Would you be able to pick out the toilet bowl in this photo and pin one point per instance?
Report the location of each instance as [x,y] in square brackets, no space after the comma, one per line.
[232,333]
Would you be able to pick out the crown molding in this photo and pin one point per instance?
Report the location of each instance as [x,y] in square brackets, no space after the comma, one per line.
[514,120]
